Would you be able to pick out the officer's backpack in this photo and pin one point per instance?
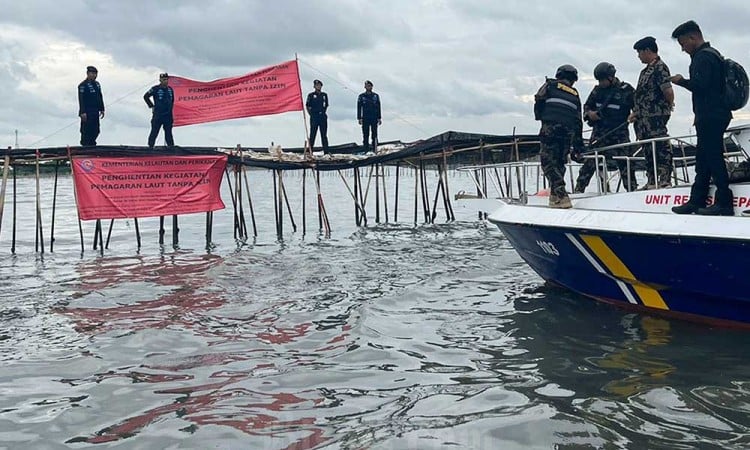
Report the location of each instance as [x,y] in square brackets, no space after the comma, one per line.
[736,88]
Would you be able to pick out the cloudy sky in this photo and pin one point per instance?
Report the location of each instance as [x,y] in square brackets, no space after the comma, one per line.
[467,65]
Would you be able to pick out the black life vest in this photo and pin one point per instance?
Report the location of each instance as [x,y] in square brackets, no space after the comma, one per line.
[613,104]
[562,104]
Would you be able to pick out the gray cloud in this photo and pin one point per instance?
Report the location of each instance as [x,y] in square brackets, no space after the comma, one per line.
[438,64]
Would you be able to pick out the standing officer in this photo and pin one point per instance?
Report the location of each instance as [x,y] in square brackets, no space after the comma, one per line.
[606,110]
[711,120]
[368,115]
[654,102]
[317,105]
[558,105]
[161,107]
[90,106]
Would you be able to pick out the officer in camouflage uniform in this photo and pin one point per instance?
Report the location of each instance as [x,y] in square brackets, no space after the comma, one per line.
[558,106]
[654,102]
[606,110]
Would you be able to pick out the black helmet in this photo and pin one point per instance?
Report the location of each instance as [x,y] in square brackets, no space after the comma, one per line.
[604,71]
[567,72]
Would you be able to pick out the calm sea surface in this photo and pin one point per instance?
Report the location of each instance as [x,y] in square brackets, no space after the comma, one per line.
[390,336]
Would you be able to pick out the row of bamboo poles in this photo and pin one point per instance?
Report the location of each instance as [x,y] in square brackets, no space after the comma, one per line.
[426,205]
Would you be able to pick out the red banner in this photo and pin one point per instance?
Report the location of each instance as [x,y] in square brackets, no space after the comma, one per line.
[118,188]
[272,90]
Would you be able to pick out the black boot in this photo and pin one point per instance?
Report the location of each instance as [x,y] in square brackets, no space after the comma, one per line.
[716,210]
[686,208]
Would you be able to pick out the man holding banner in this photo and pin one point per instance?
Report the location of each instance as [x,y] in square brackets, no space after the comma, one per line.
[162,105]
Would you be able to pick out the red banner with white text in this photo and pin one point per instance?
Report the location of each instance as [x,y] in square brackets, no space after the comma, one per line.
[118,188]
[272,90]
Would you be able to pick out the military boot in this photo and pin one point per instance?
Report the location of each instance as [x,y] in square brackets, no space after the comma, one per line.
[560,202]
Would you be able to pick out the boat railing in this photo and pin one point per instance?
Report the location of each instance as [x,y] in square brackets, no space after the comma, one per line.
[515,181]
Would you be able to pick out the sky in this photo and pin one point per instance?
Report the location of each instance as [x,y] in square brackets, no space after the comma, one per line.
[438,65]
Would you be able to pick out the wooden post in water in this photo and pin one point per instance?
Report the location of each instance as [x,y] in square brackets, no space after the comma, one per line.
[40,234]
[137,233]
[54,204]
[75,197]
[109,232]
[13,240]
[288,207]
[161,230]
[377,193]
[304,198]
[280,206]
[175,232]
[6,165]
[250,203]
[385,194]
[417,169]
[395,207]
[234,202]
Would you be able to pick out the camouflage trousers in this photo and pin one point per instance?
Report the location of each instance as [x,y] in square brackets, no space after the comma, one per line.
[653,127]
[555,140]
[589,166]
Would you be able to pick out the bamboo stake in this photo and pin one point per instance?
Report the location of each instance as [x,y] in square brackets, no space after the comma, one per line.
[377,194]
[250,203]
[175,233]
[75,197]
[395,207]
[6,165]
[385,194]
[13,241]
[137,233]
[161,230]
[288,207]
[40,234]
[54,205]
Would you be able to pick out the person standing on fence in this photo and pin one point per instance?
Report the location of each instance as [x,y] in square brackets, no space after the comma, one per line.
[606,110]
[163,102]
[712,117]
[654,102]
[90,106]
[368,115]
[317,105]
[558,106]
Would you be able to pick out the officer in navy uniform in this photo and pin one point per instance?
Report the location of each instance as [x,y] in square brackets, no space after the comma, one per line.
[607,109]
[163,97]
[90,106]
[368,115]
[317,105]
[558,106]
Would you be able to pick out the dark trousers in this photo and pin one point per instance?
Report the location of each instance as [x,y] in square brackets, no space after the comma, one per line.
[709,163]
[159,121]
[90,128]
[370,126]
[319,122]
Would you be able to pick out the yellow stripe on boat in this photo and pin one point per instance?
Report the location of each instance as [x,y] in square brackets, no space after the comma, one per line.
[648,295]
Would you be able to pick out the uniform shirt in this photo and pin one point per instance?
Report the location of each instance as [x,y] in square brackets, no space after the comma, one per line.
[163,99]
[706,84]
[317,103]
[649,94]
[90,97]
[368,106]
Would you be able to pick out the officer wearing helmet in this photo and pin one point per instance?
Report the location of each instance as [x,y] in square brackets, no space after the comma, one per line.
[558,106]
[607,109]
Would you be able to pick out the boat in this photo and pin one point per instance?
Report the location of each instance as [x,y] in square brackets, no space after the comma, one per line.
[628,248]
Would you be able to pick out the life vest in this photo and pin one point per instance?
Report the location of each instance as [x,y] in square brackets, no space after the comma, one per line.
[562,104]
[613,104]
